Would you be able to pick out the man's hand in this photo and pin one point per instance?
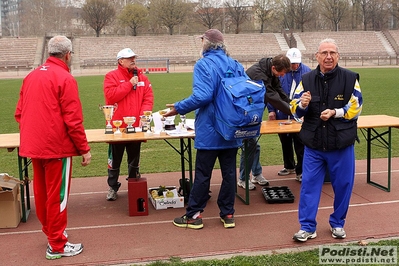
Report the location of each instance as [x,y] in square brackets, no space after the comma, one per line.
[272,116]
[326,114]
[305,99]
[172,111]
[86,159]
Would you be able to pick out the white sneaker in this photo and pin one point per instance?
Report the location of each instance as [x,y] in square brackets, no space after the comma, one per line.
[338,232]
[286,171]
[241,183]
[260,180]
[112,194]
[69,251]
[299,178]
[303,236]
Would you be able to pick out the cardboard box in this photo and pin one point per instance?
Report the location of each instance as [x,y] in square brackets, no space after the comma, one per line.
[10,204]
[166,202]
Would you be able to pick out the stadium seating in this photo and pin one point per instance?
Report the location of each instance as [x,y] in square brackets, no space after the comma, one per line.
[157,53]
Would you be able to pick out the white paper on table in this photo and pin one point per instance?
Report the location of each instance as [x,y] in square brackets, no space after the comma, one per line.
[156,117]
[179,133]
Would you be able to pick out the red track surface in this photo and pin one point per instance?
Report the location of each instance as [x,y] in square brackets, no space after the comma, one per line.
[110,236]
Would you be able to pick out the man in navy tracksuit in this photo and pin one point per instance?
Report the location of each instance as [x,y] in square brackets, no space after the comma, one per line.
[330,100]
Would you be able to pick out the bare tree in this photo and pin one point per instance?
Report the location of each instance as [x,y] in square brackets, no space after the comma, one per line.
[238,12]
[169,13]
[98,14]
[379,14]
[302,12]
[262,9]
[41,16]
[134,16]
[208,13]
[334,11]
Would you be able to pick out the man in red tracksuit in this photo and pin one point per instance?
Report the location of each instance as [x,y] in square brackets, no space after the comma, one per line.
[131,90]
[49,113]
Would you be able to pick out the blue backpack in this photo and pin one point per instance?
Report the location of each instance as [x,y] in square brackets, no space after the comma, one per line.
[239,105]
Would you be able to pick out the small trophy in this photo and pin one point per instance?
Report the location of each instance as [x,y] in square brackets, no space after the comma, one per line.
[163,119]
[144,123]
[108,111]
[183,120]
[117,124]
[148,118]
[129,121]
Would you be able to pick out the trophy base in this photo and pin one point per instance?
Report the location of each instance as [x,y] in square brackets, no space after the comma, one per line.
[170,127]
[109,131]
[130,130]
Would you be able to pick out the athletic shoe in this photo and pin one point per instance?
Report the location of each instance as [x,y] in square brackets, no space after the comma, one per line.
[112,194]
[228,221]
[286,171]
[299,178]
[260,180]
[241,183]
[187,222]
[302,236]
[69,251]
[64,233]
[338,232]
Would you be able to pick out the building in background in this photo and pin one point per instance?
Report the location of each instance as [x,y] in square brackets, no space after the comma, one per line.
[10,20]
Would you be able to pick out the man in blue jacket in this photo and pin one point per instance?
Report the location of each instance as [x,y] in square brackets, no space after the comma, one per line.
[290,142]
[330,100]
[209,143]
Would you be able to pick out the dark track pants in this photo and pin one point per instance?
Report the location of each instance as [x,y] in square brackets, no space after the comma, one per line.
[204,163]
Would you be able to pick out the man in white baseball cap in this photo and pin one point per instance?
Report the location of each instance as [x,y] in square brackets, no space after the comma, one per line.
[291,142]
[128,87]
[294,55]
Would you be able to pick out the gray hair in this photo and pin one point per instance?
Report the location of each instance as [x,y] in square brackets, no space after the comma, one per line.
[329,40]
[59,45]
[214,46]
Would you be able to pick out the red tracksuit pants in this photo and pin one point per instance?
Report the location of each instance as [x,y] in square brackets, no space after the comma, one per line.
[51,182]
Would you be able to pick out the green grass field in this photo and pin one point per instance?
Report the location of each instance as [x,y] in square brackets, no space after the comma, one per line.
[378,87]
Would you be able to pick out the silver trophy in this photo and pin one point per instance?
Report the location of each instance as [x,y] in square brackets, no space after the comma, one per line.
[108,111]
[129,121]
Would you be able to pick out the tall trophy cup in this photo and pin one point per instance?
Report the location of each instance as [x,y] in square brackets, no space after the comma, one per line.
[129,121]
[108,111]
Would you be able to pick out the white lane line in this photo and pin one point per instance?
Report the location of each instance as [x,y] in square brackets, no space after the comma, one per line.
[207,218]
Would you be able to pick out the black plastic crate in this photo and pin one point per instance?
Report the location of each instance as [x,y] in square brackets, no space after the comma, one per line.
[278,194]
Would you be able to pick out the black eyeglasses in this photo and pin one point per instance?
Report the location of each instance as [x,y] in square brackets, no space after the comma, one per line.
[326,53]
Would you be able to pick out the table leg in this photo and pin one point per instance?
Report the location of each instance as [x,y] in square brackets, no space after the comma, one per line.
[183,149]
[374,135]
[247,169]
[23,164]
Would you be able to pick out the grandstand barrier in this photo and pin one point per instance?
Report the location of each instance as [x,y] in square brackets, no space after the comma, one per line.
[148,65]
[157,69]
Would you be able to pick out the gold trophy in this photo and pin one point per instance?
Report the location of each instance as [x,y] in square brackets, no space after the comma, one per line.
[129,121]
[148,119]
[108,111]
[163,119]
[117,124]
[144,123]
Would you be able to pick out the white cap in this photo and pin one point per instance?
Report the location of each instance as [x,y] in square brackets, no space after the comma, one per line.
[125,53]
[294,55]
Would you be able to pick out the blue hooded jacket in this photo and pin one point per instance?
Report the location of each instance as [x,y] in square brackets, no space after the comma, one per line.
[206,82]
